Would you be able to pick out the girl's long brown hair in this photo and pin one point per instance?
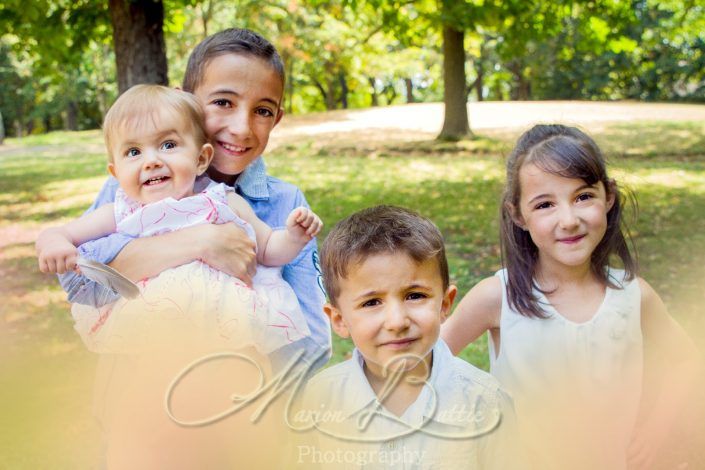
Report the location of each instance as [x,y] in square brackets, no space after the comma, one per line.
[568,152]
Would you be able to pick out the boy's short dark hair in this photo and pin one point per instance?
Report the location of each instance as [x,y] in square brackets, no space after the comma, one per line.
[230,41]
[376,230]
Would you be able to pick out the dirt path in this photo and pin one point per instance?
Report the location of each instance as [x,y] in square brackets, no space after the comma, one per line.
[421,121]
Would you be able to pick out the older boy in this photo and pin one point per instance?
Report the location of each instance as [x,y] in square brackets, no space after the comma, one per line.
[403,400]
[239,78]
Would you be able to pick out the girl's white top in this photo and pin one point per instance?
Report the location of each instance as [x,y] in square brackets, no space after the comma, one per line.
[576,386]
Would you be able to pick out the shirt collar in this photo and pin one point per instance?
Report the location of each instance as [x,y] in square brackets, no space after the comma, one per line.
[253,181]
[437,401]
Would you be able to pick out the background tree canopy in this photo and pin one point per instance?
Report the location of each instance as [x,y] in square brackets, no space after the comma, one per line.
[58,58]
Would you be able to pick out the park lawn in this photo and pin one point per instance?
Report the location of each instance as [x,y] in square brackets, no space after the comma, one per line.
[48,179]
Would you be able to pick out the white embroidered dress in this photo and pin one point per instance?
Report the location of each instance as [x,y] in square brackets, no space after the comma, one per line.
[194,300]
[576,386]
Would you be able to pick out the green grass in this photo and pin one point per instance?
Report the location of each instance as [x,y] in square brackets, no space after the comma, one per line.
[48,179]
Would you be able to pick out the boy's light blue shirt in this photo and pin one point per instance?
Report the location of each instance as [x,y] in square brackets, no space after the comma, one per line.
[272,200]
[461,419]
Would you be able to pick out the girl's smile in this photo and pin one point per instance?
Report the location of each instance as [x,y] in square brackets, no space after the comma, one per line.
[565,217]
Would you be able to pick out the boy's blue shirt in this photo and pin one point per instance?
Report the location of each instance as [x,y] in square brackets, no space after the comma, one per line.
[271,199]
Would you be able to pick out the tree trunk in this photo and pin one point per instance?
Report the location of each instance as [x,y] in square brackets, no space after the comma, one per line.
[455,121]
[2,129]
[331,101]
[343,89]
[390,93]
[373,85]
[479,80]
[409,90]
[72,116]
[138,38]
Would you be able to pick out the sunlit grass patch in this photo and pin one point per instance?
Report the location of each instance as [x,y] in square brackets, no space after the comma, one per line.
[45,180]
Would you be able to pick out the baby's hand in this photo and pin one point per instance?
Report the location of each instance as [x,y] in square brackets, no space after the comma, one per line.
[303,224]
[56,254]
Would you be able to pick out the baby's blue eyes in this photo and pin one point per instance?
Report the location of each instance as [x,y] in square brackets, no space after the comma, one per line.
[133,152]
[168,145]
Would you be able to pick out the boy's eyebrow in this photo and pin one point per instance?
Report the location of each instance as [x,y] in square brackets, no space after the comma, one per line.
[228,91]
[367,294]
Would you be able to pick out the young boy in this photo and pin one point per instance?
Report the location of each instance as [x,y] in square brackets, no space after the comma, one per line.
[239,78]
[403,400]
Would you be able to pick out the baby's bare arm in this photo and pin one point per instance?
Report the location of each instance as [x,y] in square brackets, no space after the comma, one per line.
[278,247]
[56,246]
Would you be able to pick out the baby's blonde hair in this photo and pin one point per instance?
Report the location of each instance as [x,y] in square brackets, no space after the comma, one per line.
[143,102]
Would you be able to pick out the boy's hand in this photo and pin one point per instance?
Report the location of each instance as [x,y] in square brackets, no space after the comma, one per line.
[56,254]
[303,224]
[225,247]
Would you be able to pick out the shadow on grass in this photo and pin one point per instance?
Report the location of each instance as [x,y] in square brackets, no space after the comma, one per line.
[345,148]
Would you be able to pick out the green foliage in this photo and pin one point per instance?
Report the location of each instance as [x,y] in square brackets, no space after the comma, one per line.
[57,63]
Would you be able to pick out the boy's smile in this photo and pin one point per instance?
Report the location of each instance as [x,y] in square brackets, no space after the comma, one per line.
[392,306]
[241,95]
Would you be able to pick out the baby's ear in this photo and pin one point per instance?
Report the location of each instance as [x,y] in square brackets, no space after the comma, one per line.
[111,169]
[204,158]
[336,320]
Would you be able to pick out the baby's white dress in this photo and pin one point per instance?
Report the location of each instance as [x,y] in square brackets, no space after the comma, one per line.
[576,386]
[193,301]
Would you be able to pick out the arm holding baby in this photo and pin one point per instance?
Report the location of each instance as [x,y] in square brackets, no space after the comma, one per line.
[279,247]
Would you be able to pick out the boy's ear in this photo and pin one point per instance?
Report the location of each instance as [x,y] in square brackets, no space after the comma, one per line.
[515,213]
[336,320]
[280,115]
[111,169]
[448,299]
[204,158]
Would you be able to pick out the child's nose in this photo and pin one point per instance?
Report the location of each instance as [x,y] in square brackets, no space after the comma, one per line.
[396,317]
[151,160]
[239,124]
[568,217]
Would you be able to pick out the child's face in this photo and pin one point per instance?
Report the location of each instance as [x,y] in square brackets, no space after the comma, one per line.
[159,158]
[565,217]
[391,306]
[241,96]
